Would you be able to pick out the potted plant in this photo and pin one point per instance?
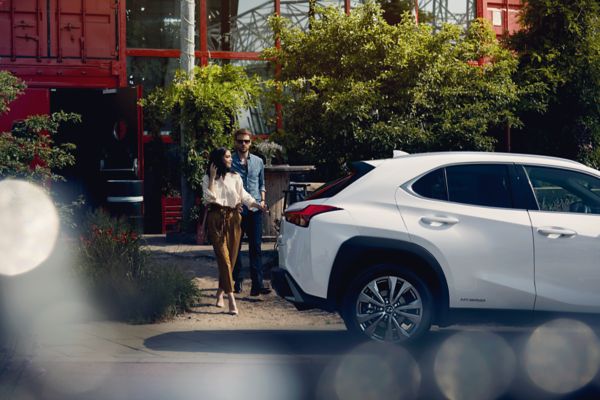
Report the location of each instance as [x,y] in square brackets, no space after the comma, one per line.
[268,150]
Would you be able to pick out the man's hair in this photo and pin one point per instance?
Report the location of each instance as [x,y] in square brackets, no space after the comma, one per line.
[242,131]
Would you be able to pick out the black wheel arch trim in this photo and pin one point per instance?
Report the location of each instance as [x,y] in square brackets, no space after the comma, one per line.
[361,251]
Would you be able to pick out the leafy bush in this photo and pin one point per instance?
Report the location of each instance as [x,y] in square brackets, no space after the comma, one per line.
[122,278]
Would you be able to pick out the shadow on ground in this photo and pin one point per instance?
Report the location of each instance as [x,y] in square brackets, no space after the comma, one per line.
[286,342]
[281,342]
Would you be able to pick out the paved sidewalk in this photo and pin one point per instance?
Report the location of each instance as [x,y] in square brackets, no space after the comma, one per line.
[174,342]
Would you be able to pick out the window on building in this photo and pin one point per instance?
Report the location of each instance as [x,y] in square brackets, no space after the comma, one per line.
[151,72]
[153,24]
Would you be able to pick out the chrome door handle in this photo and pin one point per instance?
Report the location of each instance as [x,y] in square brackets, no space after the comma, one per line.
[437,221]
[555,233]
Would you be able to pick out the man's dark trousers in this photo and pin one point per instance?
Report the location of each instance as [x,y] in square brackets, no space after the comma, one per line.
[252,227]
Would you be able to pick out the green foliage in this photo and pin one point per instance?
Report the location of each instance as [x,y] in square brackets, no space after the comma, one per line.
[158,108]
[559,53]
[206,106]
[10,88]
[28,151]
[356,87]
[122,278]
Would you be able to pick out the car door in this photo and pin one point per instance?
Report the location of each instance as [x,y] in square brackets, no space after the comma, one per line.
[465,216]
[566,232]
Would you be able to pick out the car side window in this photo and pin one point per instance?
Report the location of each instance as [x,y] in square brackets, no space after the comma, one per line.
[479,184]
[432,185]
[562,190]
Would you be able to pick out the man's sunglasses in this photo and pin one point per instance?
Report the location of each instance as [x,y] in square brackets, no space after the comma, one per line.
[243,141]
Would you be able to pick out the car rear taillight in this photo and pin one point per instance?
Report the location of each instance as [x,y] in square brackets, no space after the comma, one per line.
[302,217]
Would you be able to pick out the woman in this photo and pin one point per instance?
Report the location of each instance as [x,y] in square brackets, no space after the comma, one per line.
[224,194]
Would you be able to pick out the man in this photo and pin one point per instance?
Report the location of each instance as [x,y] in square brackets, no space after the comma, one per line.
[252,170]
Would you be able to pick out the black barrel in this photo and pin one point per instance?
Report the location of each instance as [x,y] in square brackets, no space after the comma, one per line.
[125,198]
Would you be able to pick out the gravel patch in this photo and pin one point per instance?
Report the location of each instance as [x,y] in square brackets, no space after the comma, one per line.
[261,312]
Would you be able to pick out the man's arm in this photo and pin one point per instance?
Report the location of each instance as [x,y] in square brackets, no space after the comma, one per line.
[261,183]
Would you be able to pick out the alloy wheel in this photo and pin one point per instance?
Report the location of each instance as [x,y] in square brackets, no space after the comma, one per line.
[389,309]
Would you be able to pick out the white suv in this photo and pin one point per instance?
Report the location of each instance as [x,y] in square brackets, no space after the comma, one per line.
[423,239]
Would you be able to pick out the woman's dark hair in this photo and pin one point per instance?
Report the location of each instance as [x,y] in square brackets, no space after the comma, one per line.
[216,157]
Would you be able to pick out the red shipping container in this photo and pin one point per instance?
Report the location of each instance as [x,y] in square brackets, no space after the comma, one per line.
[64,43]
[503,14]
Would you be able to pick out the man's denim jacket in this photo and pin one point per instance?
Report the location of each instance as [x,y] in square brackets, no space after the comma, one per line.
[254,179]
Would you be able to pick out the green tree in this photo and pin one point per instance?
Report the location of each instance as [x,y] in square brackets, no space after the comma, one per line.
[208,104]
[28,151]
[559,51]
[356,87]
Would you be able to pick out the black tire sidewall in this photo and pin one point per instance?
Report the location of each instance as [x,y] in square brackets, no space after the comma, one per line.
[377,271]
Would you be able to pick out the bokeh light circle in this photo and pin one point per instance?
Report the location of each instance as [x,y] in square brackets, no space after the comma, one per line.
[562,356]
[29,226]
[474,365]
[377,371]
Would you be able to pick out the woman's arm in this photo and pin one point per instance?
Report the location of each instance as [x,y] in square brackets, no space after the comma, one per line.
[208,184]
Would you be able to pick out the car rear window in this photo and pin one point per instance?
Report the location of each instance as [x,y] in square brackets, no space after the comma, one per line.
[330,189]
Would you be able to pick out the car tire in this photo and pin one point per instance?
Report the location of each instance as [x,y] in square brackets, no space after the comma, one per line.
[370,311]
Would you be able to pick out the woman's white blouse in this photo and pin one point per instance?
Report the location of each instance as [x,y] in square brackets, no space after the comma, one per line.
[227,191]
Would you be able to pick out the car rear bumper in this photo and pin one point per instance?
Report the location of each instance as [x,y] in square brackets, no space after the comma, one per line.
[288,288]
